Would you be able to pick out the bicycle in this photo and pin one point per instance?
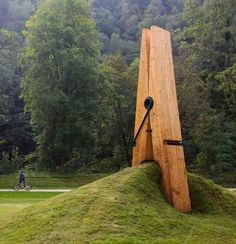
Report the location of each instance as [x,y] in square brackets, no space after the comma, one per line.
[21,186]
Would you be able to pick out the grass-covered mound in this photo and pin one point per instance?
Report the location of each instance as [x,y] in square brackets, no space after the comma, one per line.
[126,207]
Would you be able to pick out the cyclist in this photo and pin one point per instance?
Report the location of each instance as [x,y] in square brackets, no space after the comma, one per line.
[22,177]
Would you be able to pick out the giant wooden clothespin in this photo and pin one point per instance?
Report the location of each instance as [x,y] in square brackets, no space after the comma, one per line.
[157,126]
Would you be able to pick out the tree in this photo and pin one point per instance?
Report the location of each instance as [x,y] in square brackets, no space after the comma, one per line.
[132,13]
[209,37]
[227,81]
[208,51]
[15,132]
[119,23]
[107,15]
[60,85]
[14,13]
[166,14]
[119,102]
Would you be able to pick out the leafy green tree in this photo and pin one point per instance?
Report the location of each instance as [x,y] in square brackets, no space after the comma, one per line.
[227,81]
[116,134]
[60,85]
[215,140]
[207,91]
[107,15]
[193,100]
[166,14]
[119,23]
[14,13]
[209,37]
[8,75]
[15,132]
[132,13]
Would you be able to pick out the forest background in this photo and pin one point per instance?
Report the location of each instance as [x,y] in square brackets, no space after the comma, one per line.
[68,77]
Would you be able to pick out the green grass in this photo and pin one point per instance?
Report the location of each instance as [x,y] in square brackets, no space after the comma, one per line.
[25,197]
[50,181]
[12,202]
[126,207]
[8,210]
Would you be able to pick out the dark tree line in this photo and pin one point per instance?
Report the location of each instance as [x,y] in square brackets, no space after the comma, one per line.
[79,80]
[16,138]
[207,84]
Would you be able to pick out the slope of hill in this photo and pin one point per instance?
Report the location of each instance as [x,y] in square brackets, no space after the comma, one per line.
[127,207]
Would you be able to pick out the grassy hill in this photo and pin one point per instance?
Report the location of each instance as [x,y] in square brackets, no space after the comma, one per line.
[126,207]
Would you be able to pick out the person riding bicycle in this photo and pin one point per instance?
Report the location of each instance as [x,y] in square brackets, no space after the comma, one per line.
[22,177]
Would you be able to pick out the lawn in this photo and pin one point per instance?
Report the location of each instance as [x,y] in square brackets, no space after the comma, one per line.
[45,181]
[12,202]
[127,207]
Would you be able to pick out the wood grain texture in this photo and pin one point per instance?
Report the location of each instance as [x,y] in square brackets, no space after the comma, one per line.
[179,184]
[156,79]
[166,119]
[157,115]
[139,151]
[149,147]
[163,78]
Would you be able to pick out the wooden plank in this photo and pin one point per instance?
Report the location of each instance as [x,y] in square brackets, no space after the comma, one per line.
[170,88]
[149,147]
[166,82]
[139,151]
[156,114]
[175,154]
[156,79]
[179,184]
[165,120]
